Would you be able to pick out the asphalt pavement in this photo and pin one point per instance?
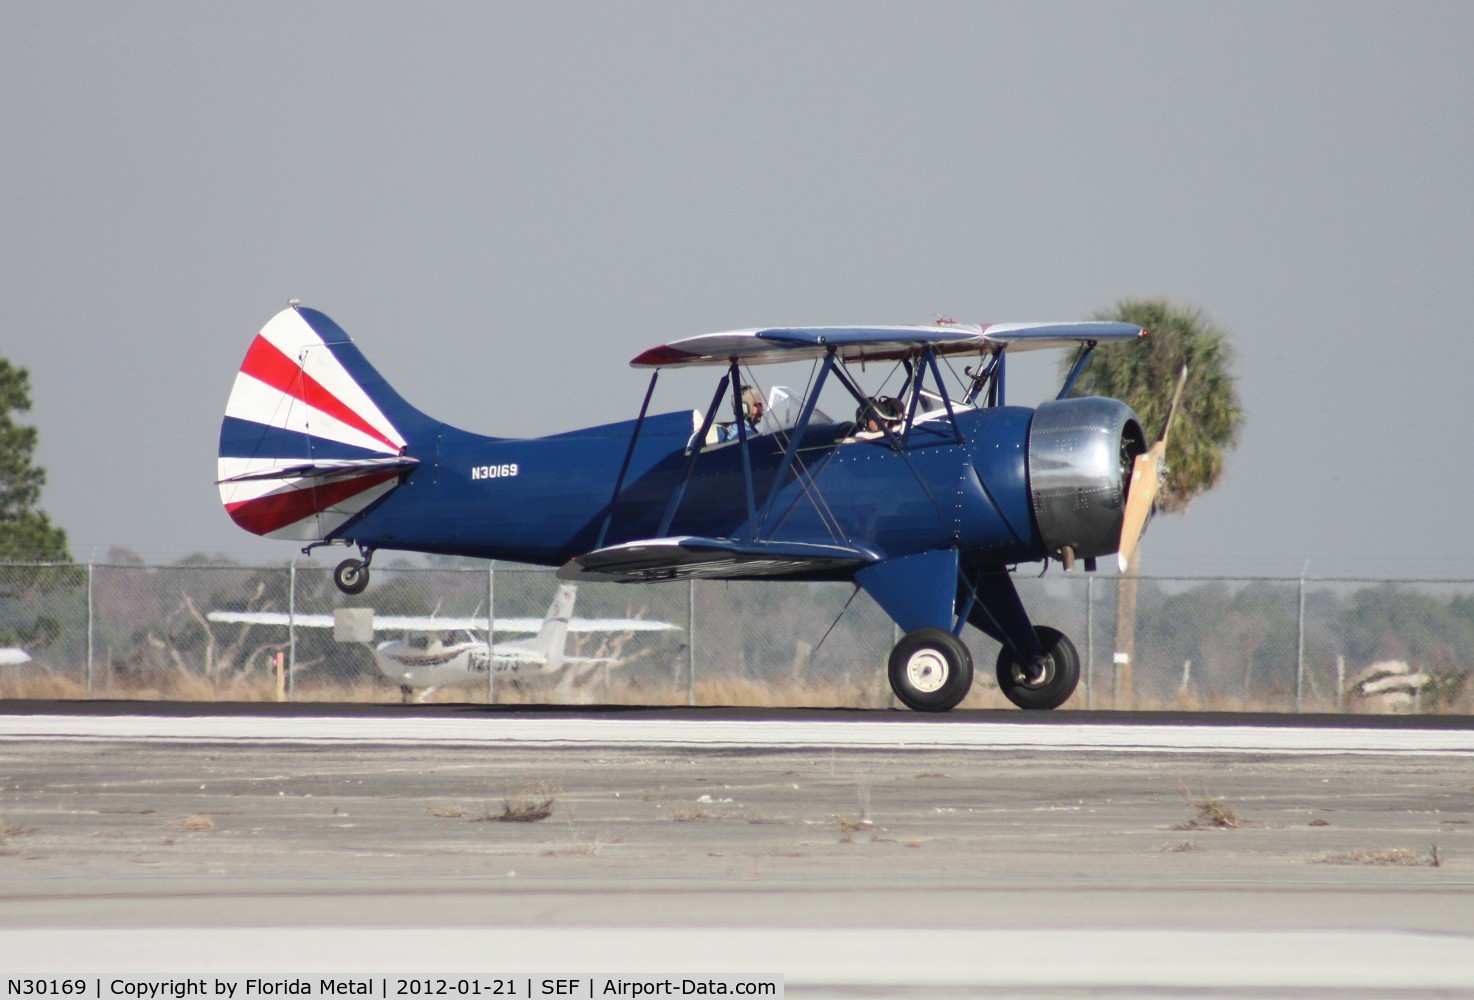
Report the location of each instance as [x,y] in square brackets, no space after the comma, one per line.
[910,870]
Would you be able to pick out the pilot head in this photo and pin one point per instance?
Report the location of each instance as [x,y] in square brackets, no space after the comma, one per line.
[752,404]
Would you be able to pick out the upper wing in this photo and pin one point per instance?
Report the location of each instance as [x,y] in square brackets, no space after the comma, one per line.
[803,343]
[874,343]
[686,557]
[1036,336]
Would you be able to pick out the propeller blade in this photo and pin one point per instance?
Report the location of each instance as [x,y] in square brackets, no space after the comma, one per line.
[1146,480]
[1172,407]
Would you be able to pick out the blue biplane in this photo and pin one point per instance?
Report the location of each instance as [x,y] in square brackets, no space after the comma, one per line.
[926,499]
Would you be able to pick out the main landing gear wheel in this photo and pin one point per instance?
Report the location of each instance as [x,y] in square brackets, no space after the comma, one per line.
[931,670]
[351,576]
[1047,683]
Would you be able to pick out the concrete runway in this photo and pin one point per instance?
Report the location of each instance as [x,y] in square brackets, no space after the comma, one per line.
[978,854]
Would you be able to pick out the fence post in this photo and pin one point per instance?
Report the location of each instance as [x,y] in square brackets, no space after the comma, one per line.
[89,629]
[1300,651]
[292,631]
[691,642]
[890,691]
[1089,642]
[491,632]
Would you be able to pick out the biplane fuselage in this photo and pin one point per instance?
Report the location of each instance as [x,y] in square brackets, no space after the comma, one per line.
[549,501]
[926,507]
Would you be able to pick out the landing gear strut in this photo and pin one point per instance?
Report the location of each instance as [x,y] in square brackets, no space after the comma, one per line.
[931,670]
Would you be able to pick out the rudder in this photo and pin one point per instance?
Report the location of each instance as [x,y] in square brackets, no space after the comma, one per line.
[313,435]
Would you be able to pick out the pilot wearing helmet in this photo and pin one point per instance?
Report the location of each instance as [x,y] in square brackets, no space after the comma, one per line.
[752,415]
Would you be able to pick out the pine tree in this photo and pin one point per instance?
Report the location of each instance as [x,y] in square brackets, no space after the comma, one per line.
[26,533]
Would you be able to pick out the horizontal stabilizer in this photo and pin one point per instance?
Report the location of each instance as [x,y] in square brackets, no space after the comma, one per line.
[325,469]
[686,557]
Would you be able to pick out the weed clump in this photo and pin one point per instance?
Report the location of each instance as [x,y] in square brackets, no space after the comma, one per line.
[1394,857]
[532,802]
[1209,814]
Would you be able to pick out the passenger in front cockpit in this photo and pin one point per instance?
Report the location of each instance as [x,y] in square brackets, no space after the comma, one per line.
[878,412]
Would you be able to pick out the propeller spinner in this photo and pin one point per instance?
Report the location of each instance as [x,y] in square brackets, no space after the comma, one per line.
[1146,479]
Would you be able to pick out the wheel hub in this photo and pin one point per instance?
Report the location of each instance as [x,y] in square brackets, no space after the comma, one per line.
[927,670]
[1034,675]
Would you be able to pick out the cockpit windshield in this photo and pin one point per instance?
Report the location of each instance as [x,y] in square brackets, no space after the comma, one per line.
[784,407]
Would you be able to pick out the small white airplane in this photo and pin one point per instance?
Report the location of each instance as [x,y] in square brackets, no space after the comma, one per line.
[438,652]
[12,656]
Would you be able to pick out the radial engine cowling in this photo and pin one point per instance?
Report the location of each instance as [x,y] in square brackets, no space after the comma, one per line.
[1080,457]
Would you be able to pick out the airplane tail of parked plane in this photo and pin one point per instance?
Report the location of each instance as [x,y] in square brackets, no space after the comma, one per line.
[313,435]
[547,646]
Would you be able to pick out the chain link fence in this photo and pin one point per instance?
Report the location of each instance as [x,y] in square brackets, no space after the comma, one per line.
[147,632]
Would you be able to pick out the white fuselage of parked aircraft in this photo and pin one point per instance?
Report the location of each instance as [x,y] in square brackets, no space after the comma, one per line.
[438,652]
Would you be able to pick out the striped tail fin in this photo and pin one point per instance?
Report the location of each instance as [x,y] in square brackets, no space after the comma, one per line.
[313,435]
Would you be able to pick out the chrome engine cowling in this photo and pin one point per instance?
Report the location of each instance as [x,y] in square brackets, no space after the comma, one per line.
[1080,457]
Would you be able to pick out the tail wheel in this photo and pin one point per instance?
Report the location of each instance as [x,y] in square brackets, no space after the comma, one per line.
[351,576]
[931,670]
[1047,682]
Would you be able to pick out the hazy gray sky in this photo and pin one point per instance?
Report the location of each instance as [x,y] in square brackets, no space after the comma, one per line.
[505,202]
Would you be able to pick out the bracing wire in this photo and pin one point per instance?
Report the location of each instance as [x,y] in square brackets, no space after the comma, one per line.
[837,617]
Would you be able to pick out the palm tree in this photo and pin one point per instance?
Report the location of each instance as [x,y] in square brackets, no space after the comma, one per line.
[1204,429]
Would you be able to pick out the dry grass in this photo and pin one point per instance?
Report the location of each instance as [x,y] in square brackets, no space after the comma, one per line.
[157,686]
[198,823]
[8,830]
[42,687]
[1394,857]
[1209,814]
[455,812]
[530,803]
[789,694]
[527,808]
[580,845]
[510,813]
[869,693]
[848,828]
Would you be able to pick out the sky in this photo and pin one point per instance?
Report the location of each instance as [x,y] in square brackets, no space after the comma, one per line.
[505,202]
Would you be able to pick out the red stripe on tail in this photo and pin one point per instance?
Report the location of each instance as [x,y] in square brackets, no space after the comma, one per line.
[266,362]
[263,515]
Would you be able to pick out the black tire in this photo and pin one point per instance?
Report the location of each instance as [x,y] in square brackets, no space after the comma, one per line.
[1047,684]
[351,577]
[931,670]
